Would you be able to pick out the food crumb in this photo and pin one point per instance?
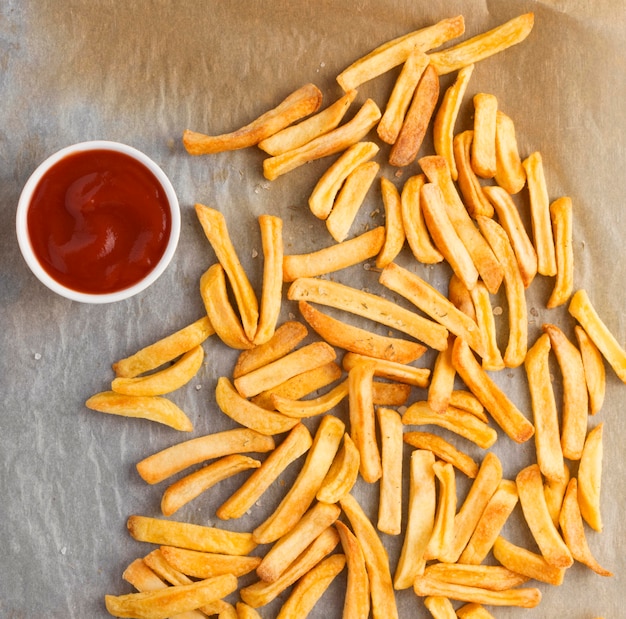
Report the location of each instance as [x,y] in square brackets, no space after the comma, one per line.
[37,356]
[198,387]
[255,253]
[497,311]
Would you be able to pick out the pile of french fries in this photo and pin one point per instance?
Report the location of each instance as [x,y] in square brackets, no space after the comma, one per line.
[340,398]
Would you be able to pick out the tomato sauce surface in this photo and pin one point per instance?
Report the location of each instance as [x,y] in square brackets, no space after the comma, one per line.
[99,221]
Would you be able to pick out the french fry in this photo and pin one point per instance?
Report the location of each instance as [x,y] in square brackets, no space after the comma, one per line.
[334,257]
[561,217]
[510,173]
[191,486]
[165,349]
[484,139]
[390,394]
[536,514]
[357,597]
[305,487]
[390,498]
[442,380]
[311,587]
[492,577]
[228,612]
[274,373]
[526,563]
[401,95]
[575,400]
[342,474]
[376,560]
[595,375]
[153,408]
[446,116]
[370,306]
[492,358]
[190,536]
[287,549]
[543,404]
[300,409]
[306,130]
[246,612]
[444,450]
[415,229]
[325,191]
[581,308]
[573,530]
[590,478]
[164,603]
[540,214]
[361,341]
[418,377]
[473,611]
[466,400]
[163,381]
[350,199]
[394,229]
[330,143]
[483,45]
[215,228]
[443,531]
[471,189]
[554,492]
[395,52]
[510,219]
[298,104]
[460,296]
[417,119]
[440,607]
[296,443]
[455,420]
[208,564]
[172,460]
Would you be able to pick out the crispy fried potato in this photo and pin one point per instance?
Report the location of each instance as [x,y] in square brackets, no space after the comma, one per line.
[357,598]
[590,478]
[246,612]
[443,531]
[492,577]
[510,173]
[394,228]
[554,492]
[418,377]
[561,217]
[471,189]
[300,409]
[473,611]
[342,474]
[202,565]
[483,150]
[460,296]
[466,400]
[444,450]
[440,607]
[442,380]
[595,375]
[492,358]
[390,498]
[298,104]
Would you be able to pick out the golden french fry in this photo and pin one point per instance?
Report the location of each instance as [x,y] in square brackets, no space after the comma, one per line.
[334,257]
[444,450]
[361,341]
[172,460]
[191,486]
[390,499]
[483,45]
[164,381]
[484,139]
[394,229]
[590,478]
[554,492]
[307,484]
[455,420]
[573,530]
[443,531]
[325,191]
[287,548]
[228,612]
[330,143]
[261,593]
[274,373]
[595,375]
[492,359]
[215,228]
[395,52]
[540,214]
[460,296]
[492,577]
[350,198]
[415,229]
[473,611]
[401,95]
[246,612]
[561,217]
[300,409]
[153,408]
[575,400]
[190,536]
[370,306]
[376,560]
[418,377]
[320,123]
[446,116]
[428,299]
[342,474]
[581,308]
[311,587]
[298,104]
[357,597]
[202,565]
[471,189]
[467,401]
[417,119]
[510,173]
[165,349]
[293,446]
[439,607]
[390,394]
[526,563]
[510,219]
[536,513]
[543,405]
[442,380]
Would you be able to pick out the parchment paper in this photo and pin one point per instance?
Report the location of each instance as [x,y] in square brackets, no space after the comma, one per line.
[142,71]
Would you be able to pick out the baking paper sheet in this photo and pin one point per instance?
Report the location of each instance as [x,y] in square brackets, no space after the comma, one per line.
[140,72]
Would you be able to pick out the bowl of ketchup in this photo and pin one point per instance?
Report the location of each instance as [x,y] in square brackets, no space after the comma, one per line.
[98,222]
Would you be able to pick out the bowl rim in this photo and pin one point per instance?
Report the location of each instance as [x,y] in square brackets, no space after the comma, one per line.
[23,236]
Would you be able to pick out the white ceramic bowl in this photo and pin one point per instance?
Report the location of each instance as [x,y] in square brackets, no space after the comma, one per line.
[24,240]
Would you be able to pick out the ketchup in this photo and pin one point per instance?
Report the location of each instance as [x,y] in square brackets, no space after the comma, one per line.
[99,221]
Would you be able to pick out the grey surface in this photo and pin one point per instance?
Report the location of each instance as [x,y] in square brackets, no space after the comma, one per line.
[142,71]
